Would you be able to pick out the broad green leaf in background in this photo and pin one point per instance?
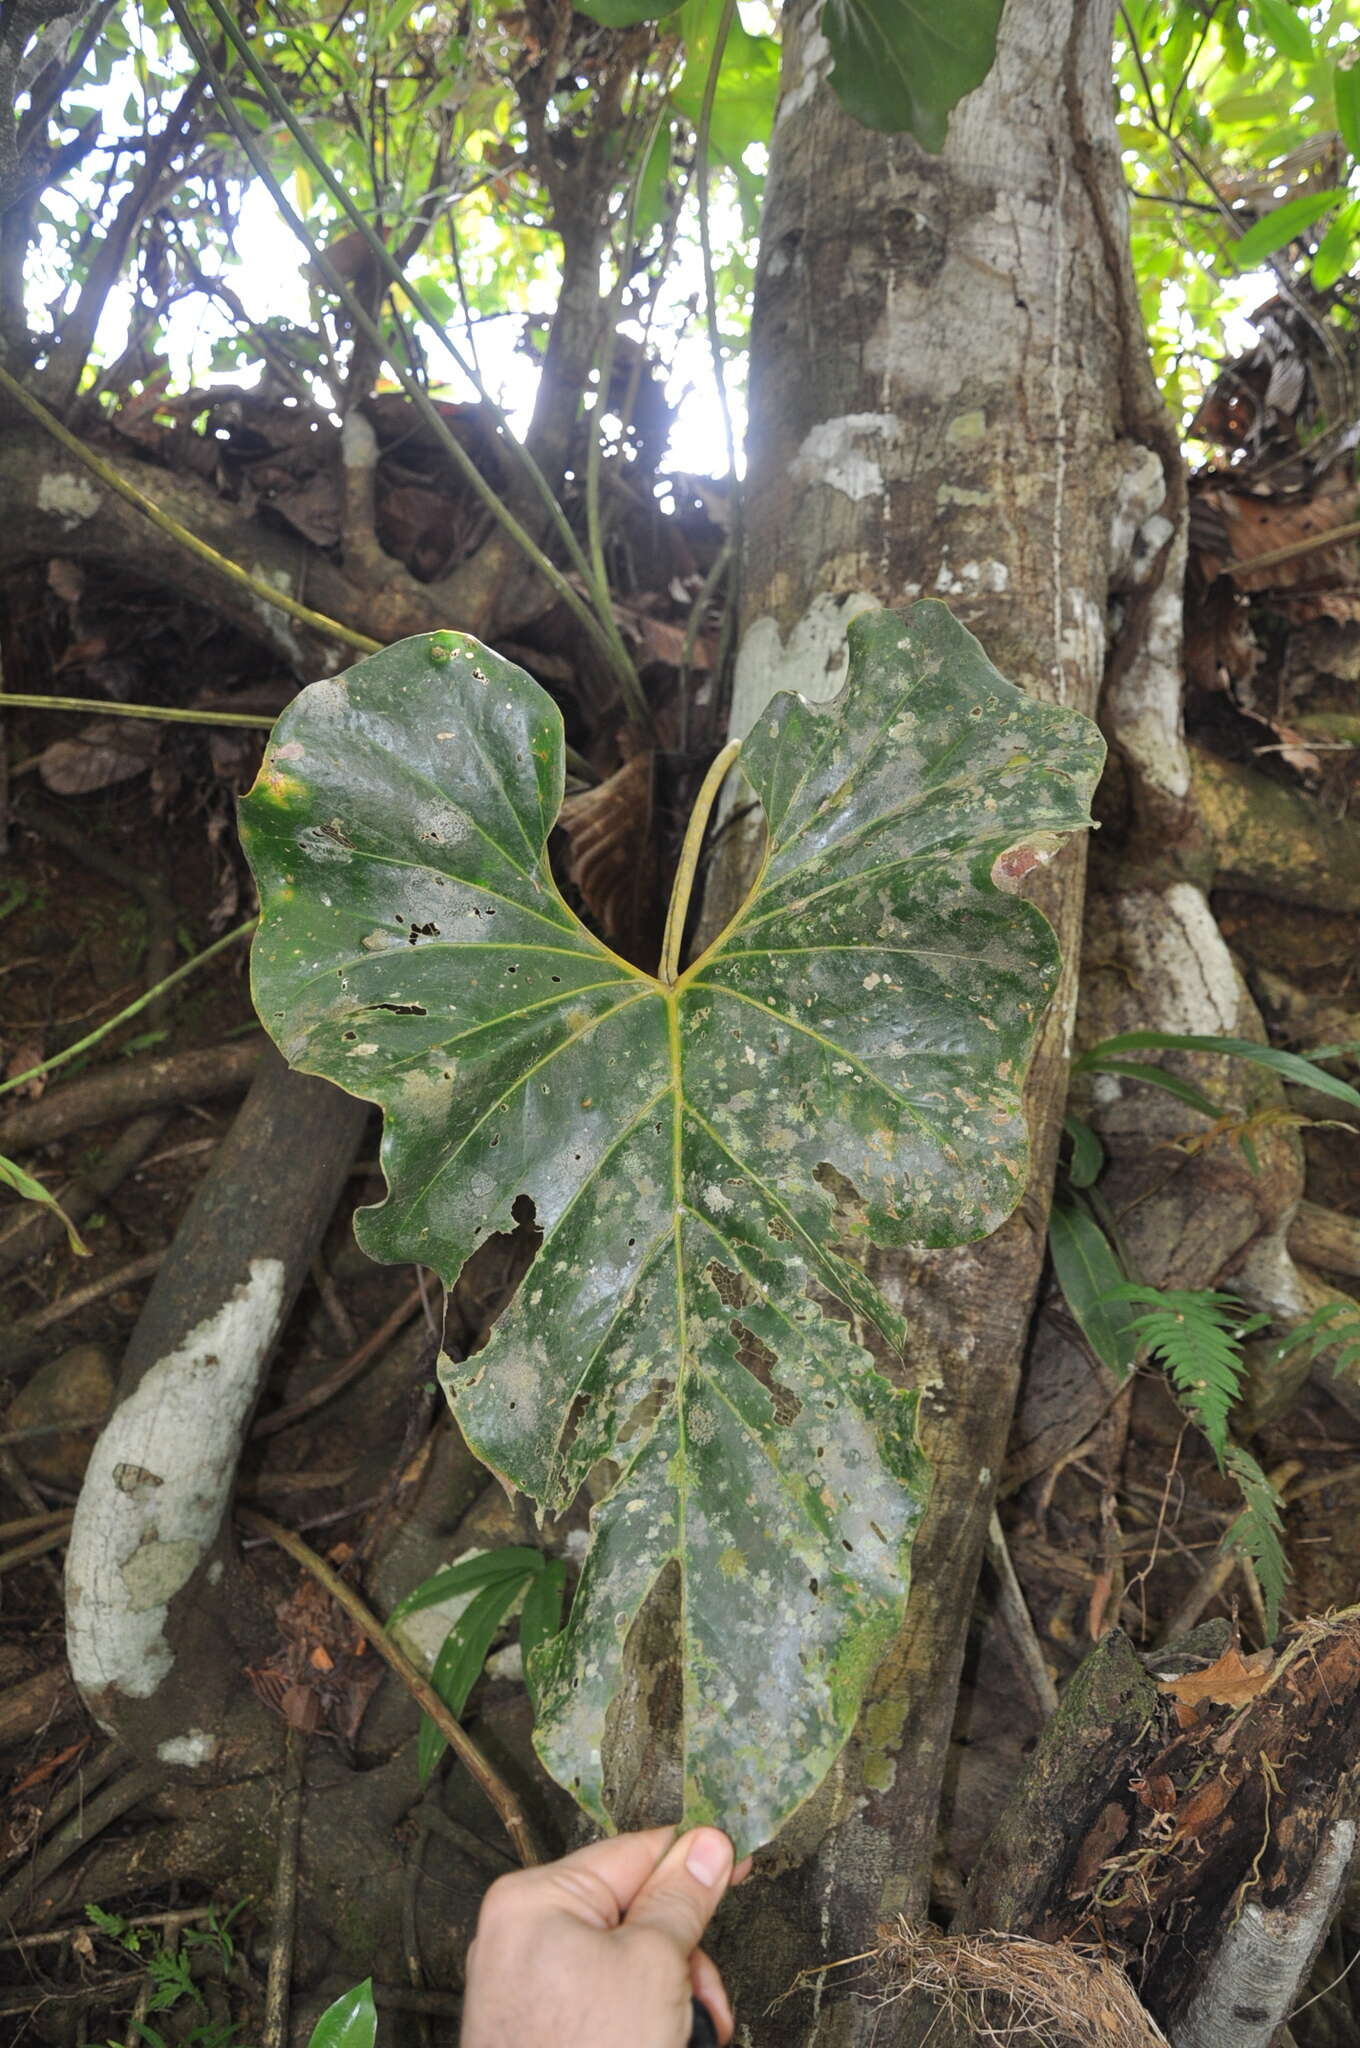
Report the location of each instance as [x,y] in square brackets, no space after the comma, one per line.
[1346,95]
[1088,1154]
[352,2022]
[748,83]
[1087,1271]
[1336,250]
[626,13]
[843,1066]
[905,64]
[1160,1077]
[1277,21]
[512,1561]
[1277,228]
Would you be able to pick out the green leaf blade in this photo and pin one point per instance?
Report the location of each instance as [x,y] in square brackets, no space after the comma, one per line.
[903,65]
[1087,1272]
[845,1065]
[351,2022]
[1282,225]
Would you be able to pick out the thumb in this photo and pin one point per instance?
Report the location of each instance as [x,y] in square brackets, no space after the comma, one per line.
[682,1893]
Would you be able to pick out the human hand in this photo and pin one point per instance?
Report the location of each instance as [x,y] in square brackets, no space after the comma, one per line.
[600,1950]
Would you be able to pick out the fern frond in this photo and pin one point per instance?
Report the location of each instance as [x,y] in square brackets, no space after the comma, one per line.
[1333,1324]
[1197,1335]
[1256,1534]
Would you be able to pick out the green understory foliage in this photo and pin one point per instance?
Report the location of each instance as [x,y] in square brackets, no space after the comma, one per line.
[1195,1335]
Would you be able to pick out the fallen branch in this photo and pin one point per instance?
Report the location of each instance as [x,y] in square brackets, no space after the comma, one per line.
[261,592]
[159,1615]
[1272,841]
[131,1085]
[279,1979]
[1326,1238]
[503,1799]
[1253,1977]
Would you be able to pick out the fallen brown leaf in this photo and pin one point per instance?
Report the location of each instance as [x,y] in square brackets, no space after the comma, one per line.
[1230,1681]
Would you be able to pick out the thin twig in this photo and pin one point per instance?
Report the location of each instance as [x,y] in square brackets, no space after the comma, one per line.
[1018,1623]
[84,1297]
[279,1981]
[348,1369]
[259,721]
[508,1809]
[160,988]
[36,1546]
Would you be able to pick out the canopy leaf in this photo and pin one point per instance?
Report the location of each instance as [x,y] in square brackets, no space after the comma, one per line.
[842,1068]
[906,66]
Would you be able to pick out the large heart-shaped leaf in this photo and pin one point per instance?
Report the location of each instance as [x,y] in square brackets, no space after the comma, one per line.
[844,1065]
[905,64]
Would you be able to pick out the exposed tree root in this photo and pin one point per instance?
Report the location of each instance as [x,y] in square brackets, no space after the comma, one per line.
[1006,1988]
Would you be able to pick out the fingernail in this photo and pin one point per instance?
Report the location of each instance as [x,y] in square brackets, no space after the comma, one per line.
[709,1857]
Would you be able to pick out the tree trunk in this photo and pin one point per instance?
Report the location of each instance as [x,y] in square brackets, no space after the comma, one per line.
[949,396]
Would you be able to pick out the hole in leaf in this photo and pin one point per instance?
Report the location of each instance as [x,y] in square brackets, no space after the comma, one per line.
[399,1009]
[851,1215]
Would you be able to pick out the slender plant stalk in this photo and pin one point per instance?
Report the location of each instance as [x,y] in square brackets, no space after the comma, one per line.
[159,988]
[509,1811]
[595,447]
[599,621]
[105,708]
[706,245]
[669,971]
[703,598]
[257,721]
[107,474]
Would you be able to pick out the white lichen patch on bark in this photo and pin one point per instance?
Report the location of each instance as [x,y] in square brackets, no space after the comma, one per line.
[813,660]
[72,497]
[194,1748]
[270,616]
[816,50]
[156,1489]
[836,453]
[1146,715]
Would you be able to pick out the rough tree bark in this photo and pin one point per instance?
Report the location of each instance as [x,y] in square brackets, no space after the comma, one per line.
[949,397]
